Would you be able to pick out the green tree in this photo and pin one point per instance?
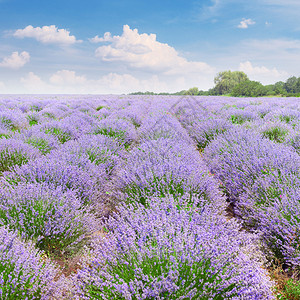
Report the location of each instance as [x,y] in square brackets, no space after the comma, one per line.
[225,81]
[292,85]
[192,91]
[279,88]
[249,88]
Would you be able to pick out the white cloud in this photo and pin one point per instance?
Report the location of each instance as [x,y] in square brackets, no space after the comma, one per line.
[245,23]
[145,53]
[68,82]
[47,34]
[106,38]
[66,77]
[16,60]
[34,84]
[262,73]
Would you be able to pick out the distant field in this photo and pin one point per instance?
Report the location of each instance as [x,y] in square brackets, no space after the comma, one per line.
[149,197]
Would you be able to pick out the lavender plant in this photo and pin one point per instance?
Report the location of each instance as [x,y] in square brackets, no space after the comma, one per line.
[24,272]
[56,173]
[238,157]
[51,218]
[162,167]
[163,252]
[64,131]
[14,152]
[33,118]
[101,150]
[273,130]
[13,119]
[163,125]
[38,139]
[205,131]
[122,131]
[285,115]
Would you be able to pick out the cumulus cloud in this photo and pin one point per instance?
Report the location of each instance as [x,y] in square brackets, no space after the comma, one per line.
[106,38]
[68,82]
[47,35]
[34,84]
[262,73]
[16,60]
[67,77]
[245,23]
[144,52]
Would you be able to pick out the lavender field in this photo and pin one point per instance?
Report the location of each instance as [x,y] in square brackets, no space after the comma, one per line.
[148,197]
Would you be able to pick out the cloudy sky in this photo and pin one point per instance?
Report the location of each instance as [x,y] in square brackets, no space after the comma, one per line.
[98,47]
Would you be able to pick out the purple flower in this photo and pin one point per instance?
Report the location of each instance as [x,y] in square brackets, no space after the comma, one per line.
[162,251]
[24,272]
[14,152]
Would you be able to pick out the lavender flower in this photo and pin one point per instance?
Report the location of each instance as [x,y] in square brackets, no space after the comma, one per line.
[123,131]
[101,150]
[42,141]
[205,131]
[14,152]
[163,126]
[238,157]
[13,119]
[162,167]
[57,173]
[24,272]
[51,218]
[163,252]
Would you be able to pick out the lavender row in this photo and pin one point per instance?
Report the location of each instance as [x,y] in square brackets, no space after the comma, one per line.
[170,238]
[251,150]
[51,173]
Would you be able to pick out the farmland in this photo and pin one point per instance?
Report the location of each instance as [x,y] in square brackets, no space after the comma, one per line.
[148,197]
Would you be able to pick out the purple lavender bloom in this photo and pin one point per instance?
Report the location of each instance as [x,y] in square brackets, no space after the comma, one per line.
[33,118]
[240,116]
[164,252]
[163,126]
[55,172]
[51,218]
[14,152]
[203,132]
[286,115]
[52,111]
[13,119]
[188,111]
[121,130]
[24,273]
[62,130]
[42,141]
[238,157]
[133,114]
[164,166]
[101,150]
[293,139]
[279,224]
[5,133]
[263,179]
[82,123]
[38,106]
[274,130]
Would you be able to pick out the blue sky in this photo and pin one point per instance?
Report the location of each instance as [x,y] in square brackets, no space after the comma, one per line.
[123,46]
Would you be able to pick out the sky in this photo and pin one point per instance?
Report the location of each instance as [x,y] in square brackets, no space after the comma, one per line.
[115,47]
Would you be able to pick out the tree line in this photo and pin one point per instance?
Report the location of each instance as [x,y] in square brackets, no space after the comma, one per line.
[237,84]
